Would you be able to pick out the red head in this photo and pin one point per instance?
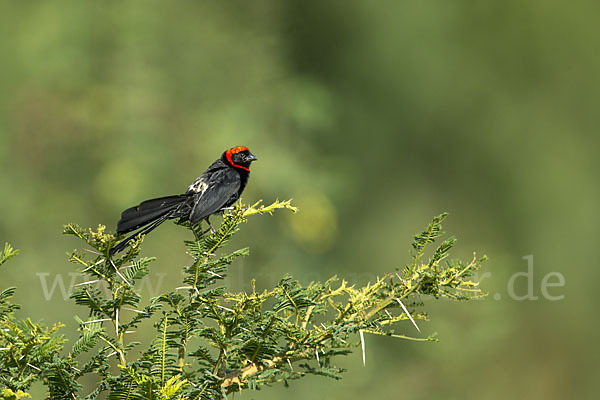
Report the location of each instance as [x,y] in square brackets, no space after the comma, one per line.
[239,157]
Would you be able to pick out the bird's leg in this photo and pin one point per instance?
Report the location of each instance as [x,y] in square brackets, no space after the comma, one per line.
[212,230]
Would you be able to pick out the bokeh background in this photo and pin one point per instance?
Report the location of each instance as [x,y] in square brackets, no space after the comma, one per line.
[374,116]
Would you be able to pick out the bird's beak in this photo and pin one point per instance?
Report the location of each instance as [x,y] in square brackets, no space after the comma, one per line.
[251,157]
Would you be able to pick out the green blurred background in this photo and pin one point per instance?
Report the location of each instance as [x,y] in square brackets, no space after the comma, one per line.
[374,116]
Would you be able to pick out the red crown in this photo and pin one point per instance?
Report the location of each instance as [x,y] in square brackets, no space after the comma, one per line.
[236,150]
[233,151]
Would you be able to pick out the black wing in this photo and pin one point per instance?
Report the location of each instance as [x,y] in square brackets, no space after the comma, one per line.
[222,185]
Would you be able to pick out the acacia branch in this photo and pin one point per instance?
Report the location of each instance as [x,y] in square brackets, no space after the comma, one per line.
[241,376]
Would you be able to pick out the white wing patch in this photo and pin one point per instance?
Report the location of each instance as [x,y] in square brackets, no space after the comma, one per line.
[199,186]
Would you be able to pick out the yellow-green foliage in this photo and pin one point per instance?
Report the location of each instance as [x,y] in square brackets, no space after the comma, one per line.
[8,394]
[210,342]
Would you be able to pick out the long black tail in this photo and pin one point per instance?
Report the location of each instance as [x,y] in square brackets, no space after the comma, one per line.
[124,243]
[148,214]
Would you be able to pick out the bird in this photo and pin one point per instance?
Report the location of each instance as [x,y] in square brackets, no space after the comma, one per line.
[215,189]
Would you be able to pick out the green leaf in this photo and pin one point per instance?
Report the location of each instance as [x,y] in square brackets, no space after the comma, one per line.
[7,253]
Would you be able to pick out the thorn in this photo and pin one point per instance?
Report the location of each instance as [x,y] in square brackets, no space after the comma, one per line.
[94,264]
[134,310]
[118,273]
[117,321]
[409,316]
[34,367]
[317,354]
[88,282]
[97,320]
[93,252]
[225,308]
[214,274]
[362,345]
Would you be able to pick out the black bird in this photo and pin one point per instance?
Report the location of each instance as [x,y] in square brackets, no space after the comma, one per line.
[218,187]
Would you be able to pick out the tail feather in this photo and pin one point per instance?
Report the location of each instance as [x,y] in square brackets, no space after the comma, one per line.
[138,221]
[151,205]
[148,214]
[147,211]
[125,242]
